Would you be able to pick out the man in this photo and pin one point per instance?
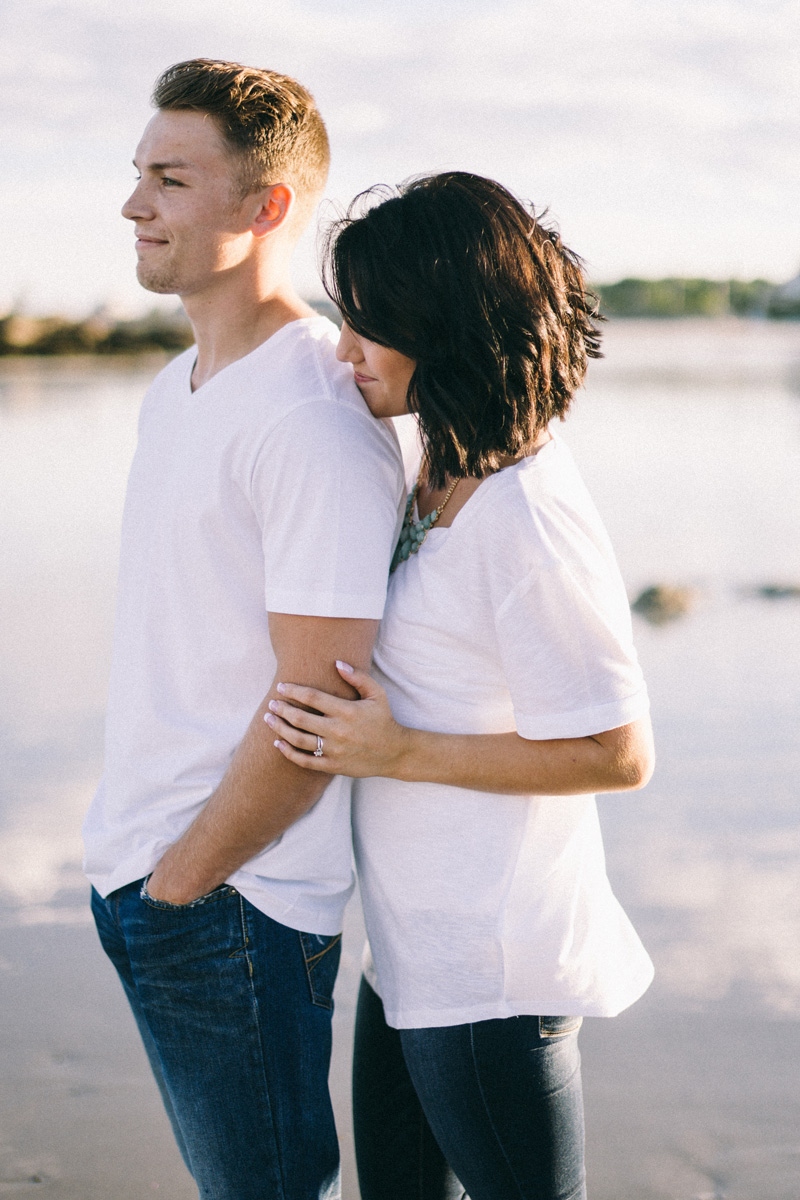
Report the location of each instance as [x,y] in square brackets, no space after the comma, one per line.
[261,512]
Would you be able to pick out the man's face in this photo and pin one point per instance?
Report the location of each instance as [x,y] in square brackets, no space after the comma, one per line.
[191,223]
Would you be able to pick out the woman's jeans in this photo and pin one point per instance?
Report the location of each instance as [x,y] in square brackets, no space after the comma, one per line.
[235,1013]
[491,1110]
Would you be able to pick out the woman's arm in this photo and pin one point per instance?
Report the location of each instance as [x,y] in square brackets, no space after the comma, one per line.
[361,738]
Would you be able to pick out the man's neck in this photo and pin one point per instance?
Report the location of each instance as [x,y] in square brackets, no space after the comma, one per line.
[231,323]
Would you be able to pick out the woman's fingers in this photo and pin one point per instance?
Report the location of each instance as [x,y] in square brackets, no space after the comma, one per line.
[362,681]
[305,760]
[324,702]
[298,717]
[313,698]
[358,736]
[296,737]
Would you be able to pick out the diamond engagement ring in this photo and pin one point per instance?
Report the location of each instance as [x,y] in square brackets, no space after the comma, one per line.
[319,750]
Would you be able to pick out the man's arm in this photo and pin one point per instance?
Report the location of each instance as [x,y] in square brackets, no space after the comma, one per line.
[262,793]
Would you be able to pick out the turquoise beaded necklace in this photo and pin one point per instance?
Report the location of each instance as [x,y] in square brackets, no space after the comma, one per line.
[413,533]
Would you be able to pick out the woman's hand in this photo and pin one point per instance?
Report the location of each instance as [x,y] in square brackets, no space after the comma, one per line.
[360,738]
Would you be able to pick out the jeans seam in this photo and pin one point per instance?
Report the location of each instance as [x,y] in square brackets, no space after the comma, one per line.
[264,1072]
[421,1156]
[244,952]
[488,1112]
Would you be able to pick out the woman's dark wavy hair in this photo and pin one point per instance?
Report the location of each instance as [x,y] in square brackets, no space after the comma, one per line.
[456,273]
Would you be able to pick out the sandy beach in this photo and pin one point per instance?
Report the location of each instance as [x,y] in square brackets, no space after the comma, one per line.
[679,1106]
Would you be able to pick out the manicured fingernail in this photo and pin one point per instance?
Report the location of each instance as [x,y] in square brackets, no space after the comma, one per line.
[273,705]
[281,687]
[343,666]
[277,743]
[271,721]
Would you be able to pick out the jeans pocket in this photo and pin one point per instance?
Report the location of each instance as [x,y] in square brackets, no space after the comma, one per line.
[321,955]
[555,1027]
[216,893]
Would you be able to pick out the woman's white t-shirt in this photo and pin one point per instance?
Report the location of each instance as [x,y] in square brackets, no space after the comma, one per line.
[480,905]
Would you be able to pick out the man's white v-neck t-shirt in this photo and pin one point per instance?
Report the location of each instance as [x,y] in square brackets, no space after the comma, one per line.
[270,488]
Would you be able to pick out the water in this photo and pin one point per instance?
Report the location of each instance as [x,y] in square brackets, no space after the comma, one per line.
[67,434]
[689,438]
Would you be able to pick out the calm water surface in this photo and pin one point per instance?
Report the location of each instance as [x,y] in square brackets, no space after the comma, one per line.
[689,437]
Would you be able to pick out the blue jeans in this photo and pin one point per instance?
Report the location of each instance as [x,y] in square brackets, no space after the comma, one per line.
[235,1013]
[493,1109]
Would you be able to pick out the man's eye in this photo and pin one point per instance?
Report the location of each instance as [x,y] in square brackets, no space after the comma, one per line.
[167,182]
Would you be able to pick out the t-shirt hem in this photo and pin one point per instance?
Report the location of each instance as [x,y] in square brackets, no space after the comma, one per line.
[325,918]
[586,721]
[127,872]
[321,604]
[610,1006]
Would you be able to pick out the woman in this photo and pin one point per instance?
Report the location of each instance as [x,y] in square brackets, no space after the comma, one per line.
[506,692]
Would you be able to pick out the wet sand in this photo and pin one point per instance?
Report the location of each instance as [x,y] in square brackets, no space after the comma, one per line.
[680,1106]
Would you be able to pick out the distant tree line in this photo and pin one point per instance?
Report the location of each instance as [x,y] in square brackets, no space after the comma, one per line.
[97,334]
[171,332]
[102,334]
[698,298]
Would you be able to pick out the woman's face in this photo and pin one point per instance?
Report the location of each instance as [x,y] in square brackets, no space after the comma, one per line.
[382,375]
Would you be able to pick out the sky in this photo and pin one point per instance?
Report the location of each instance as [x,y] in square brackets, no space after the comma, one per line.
[662,135]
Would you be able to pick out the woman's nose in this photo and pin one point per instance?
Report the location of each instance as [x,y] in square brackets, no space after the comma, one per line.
[347,349]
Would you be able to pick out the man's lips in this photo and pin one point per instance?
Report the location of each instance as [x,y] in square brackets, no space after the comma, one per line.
[144,242]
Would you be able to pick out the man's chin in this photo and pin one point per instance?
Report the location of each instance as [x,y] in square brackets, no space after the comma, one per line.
[154,283]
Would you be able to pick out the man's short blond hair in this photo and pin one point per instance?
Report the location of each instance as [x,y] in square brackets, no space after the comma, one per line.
[269,121]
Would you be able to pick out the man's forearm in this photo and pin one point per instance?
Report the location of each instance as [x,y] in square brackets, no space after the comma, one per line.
[261,793]
[260,796]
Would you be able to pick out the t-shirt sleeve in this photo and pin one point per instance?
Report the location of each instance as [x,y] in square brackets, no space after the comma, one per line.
[326,491]
[564,633]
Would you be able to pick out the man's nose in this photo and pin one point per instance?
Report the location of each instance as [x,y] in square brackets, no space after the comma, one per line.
[136,207]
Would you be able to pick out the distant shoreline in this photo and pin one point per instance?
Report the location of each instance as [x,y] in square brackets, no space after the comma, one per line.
[23,336]
[646,299]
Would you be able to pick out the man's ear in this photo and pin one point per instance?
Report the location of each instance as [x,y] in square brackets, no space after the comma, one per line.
[277,202]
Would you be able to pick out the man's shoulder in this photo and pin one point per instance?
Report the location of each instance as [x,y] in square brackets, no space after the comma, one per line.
[298,364]
[303,384]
